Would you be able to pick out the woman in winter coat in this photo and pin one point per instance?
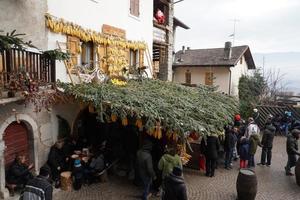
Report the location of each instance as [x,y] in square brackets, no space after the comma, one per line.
[254,142]
[210,147]
[168,161]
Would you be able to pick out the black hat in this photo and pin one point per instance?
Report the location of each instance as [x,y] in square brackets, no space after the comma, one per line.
[44,171]
[177,171]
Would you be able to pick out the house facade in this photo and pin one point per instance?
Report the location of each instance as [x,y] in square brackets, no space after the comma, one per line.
[88,30]
[221,67]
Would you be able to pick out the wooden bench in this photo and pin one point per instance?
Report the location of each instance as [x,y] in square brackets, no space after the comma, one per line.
[103,174]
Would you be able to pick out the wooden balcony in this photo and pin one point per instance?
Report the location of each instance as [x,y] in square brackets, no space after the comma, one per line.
[14,61]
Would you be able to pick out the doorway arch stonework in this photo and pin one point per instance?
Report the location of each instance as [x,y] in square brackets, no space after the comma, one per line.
[34,135]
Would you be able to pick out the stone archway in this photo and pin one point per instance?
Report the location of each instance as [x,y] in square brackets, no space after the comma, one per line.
[33,135]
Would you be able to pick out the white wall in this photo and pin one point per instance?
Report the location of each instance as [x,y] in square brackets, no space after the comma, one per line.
[91,15]
[221,75]
[236,73]
[25,16]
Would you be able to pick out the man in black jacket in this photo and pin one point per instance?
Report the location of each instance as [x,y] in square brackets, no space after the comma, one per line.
[174,188]
[19,173]
[39,187]
[145,166]
[210,147]
[267,142]
[292,151]
[229,145]
[56,161]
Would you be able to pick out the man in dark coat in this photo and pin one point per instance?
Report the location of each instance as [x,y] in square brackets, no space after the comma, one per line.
[292,150]
[229,145]
[175,188]
[210,147]
[19,172]
[267,142]
[56,161]
[38,187]
[145,167]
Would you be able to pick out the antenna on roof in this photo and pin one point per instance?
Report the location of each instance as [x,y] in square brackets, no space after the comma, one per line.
[234,30]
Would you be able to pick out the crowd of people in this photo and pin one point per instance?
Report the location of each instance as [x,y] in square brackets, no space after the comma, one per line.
[242,139]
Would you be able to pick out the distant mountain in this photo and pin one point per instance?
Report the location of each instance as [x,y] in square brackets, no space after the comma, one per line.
[287,62]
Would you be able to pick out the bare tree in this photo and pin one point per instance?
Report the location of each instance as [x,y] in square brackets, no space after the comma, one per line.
[276,84]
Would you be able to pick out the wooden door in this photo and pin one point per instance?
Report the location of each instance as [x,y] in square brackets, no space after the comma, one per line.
[73,45]
[16,141]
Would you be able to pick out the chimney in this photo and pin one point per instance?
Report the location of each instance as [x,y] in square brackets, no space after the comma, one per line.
[183,49]
[188,48]
[227,50]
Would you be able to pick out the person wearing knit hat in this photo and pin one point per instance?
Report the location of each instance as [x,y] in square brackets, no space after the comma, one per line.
[77,175]
[40,183]
[292,151]
[174,186]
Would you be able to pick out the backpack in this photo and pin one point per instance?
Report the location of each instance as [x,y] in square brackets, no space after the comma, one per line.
[253,129]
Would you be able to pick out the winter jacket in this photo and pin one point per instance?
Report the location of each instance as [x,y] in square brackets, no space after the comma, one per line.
[56,158]
[144,161]
[291,145]
[230,141]
[37,189]
[268,136]
[254,142]
[244,149]
[98,163]
[175,188]
[167,163]
[18,173]
[210,147]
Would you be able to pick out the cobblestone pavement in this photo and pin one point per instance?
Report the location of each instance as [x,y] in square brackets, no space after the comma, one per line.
[272,183]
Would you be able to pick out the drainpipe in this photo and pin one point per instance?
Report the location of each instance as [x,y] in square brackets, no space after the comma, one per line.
[229,90]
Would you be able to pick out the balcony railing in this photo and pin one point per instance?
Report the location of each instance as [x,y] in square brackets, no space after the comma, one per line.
[34,64]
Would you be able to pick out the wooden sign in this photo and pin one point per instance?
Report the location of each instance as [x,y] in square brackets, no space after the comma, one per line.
[110,30]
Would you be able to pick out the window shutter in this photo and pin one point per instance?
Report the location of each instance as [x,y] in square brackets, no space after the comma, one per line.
[209,78]
[137,8]
[101,56]
[132,7]
[72,45]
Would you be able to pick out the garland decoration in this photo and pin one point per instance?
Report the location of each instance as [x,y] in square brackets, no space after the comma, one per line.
[160,108]
[61,26]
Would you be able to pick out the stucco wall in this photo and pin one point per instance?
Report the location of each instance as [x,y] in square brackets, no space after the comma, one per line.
[221,76]
[26,16]
[236,73]
[91,15]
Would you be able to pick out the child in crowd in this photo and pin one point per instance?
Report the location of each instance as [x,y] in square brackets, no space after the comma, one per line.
[244,152]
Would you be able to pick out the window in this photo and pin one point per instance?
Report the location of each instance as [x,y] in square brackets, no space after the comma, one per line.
[188,77]
[241,60]
[209,78]
[73,44]
[87,53]
[135,7]
[134,58]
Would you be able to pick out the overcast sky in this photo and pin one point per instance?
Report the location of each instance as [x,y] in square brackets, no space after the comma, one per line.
[267,26]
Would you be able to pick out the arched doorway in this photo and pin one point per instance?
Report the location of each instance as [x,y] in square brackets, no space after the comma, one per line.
[17,141]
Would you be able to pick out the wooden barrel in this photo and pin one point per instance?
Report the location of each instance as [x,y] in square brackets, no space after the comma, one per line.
[246,185]
[66,181]
[297,172]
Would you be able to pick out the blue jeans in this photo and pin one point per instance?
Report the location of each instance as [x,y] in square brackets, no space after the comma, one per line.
[251,162]
[228,157]
[146,184]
